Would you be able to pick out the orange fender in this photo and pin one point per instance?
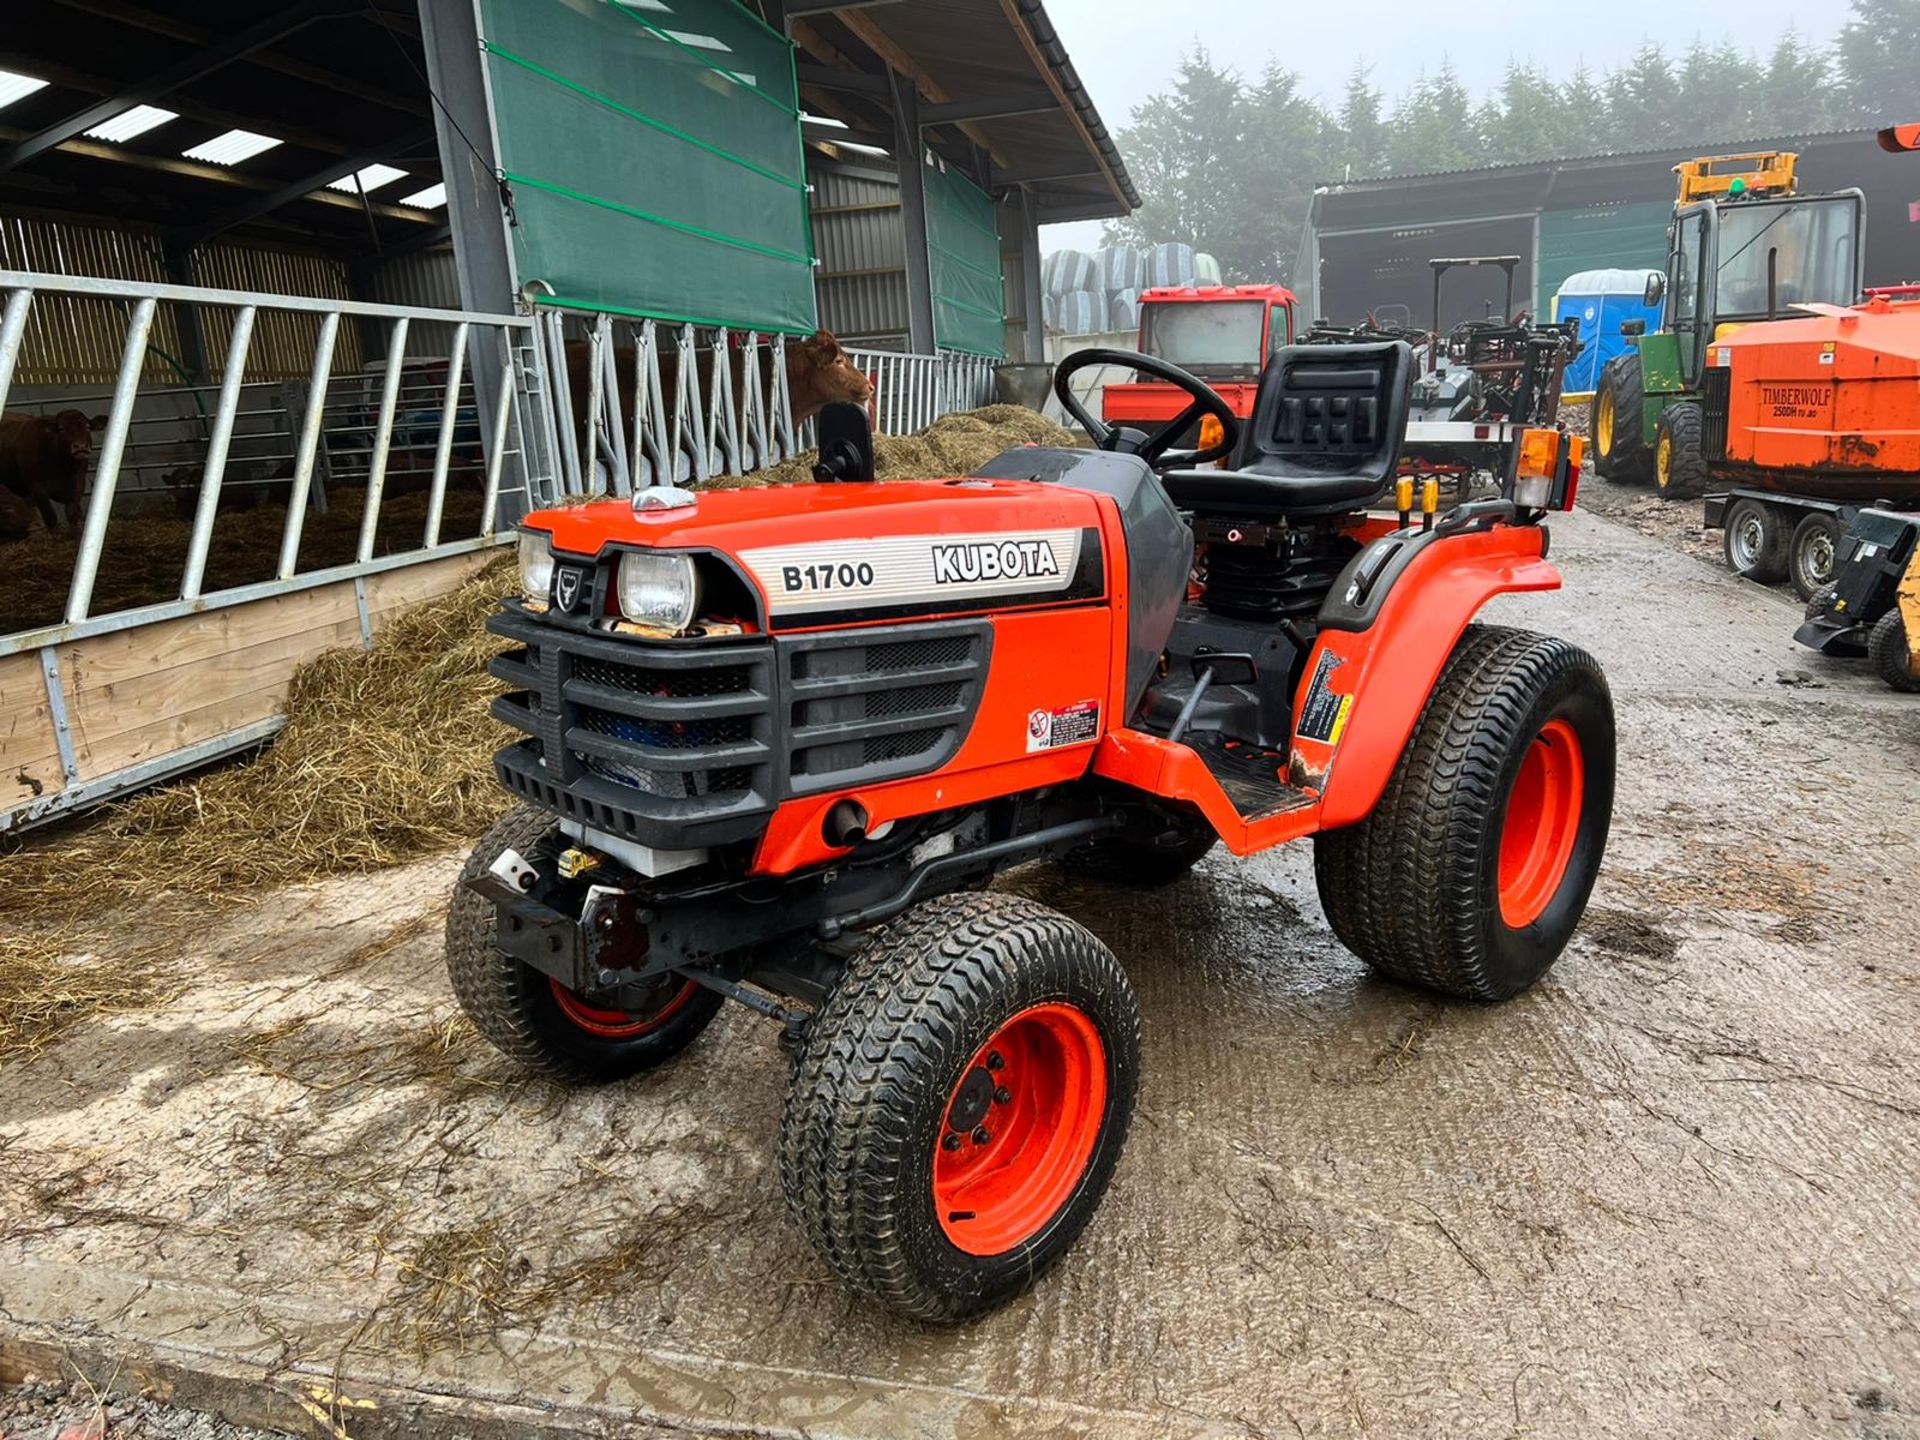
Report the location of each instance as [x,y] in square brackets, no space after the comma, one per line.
[1366,688]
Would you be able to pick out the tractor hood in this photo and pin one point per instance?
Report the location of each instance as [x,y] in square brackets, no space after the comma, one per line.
[823,554]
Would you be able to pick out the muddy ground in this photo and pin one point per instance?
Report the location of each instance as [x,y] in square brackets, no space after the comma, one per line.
[1674,1191]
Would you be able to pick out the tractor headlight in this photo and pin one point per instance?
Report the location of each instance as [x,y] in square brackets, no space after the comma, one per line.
[660,590]
[536,565]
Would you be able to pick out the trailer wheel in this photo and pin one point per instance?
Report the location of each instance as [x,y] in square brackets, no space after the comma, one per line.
[1620,454]
[960,1102]
[1134,864]
[1754,541]
[1811,552]
[1680,454]
[1472,871]
[535,1020]
[1887,649]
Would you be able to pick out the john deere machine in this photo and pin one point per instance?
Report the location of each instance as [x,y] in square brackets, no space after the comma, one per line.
[1744,246]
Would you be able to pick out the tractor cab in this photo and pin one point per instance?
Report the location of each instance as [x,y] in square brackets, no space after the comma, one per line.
[1222,334]
[1744,247]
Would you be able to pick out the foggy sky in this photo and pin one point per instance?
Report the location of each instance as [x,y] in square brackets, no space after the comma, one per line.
[1126,50]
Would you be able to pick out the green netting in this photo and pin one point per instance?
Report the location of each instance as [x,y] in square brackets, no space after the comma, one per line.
[969,298]
[653,150]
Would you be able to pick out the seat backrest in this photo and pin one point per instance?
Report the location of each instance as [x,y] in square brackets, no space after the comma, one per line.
[1331,410]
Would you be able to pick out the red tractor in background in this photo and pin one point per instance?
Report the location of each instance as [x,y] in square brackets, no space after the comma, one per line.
[1223,334]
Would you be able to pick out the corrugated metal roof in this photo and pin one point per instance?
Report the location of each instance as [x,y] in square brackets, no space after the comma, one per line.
[1518,167]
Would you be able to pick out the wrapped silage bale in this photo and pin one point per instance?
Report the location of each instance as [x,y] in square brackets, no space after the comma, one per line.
[1123,311]
[1170,264]
[1206,269]
[1122,268]
[1066,271]
[1050,311]
[1083,312]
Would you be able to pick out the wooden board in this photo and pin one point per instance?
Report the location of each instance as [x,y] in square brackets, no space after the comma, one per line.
[136,696]
[29,754]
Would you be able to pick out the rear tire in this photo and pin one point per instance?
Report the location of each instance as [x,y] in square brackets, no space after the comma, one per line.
[1754,541]
[537,1022]
[1680,454]
[895,1104]
[1887,649]
[1620,454]
[1811,553]
[1474,868]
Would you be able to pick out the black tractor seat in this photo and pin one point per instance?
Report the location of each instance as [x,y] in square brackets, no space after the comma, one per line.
[1324,438]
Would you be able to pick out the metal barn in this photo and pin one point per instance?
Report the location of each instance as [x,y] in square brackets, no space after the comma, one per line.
[337,290]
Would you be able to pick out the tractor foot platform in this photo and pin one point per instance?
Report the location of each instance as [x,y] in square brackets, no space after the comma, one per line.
[1250,775]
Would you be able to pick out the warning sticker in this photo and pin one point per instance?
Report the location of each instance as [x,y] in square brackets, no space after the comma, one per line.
[1070,725]
[1324,716]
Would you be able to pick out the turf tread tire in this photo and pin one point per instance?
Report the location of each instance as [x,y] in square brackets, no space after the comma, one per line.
[1887,650]
[898,1028]
[511,1006]
[1403,888]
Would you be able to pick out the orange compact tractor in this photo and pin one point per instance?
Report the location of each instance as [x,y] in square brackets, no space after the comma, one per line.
[1221,333]
[777,742]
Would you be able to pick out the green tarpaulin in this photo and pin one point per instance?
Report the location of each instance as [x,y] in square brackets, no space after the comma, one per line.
[653,151]
[969,300]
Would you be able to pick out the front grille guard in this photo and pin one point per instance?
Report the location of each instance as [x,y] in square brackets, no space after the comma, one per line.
[688,744]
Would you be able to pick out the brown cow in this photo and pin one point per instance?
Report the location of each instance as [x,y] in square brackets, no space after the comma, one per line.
[44,458]
[819,371]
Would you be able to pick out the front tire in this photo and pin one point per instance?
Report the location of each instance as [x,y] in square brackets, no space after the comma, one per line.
[1680,455]
[959,1104]
[1811,553]
[538,1022]
[1474,868]
[1887,649]
[1620,454]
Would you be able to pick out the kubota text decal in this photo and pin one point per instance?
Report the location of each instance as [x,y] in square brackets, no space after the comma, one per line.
[913,570]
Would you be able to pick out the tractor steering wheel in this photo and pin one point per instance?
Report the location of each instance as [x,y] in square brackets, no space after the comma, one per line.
[1156,449]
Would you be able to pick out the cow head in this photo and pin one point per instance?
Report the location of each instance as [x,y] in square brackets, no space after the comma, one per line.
[819,372]
[72,444]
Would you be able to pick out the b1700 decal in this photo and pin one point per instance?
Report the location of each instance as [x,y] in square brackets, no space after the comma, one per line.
[911,570]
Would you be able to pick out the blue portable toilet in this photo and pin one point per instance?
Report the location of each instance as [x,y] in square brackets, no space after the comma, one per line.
[1602,301]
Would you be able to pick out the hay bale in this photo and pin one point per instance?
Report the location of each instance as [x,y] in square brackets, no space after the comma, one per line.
[385,756]
[954,444]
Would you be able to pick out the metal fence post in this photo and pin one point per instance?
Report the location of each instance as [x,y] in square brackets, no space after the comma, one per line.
[215,471]
[113,449]
[13,325]
[309,445]
[449,423]
[383,437]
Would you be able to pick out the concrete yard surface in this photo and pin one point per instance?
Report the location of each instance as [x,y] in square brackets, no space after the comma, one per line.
[1673,1191]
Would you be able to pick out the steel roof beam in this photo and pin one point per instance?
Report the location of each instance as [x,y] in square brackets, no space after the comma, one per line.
[1036,100]
[215,57]
[301,188]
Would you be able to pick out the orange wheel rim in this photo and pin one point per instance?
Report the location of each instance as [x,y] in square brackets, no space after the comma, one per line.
[1019,1129]
[620,1024]
[1542,823]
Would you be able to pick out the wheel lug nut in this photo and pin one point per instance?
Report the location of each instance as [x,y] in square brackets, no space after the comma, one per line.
[1002,1095]
[994,1062]
[980,1136]
[952,1141]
